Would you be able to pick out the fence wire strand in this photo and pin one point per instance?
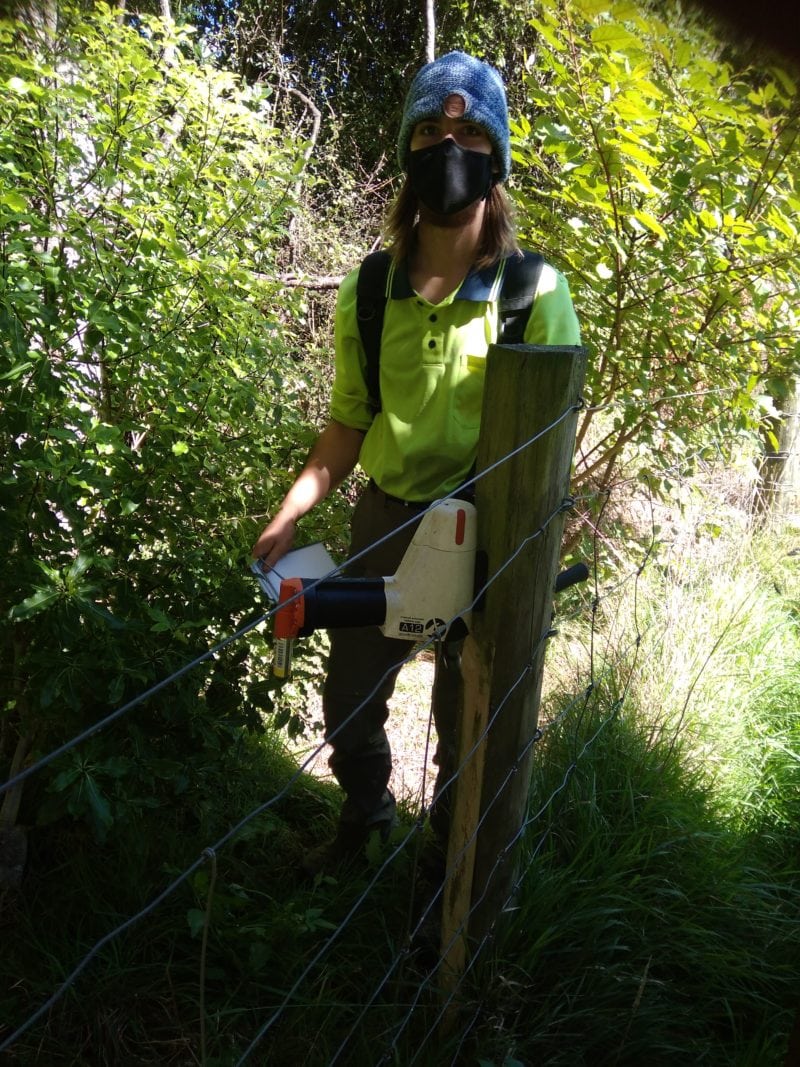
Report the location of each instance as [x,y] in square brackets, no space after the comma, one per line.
[480,593]
[17,779]
[590,690]
[209,854]
[214,849]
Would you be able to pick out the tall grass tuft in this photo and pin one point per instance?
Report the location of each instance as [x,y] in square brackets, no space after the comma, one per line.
[658,920]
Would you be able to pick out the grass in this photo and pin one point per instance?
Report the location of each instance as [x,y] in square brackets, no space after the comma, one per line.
[649,929]
[656,922]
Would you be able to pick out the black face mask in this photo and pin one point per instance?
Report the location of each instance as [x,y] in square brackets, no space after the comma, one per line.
[447,178]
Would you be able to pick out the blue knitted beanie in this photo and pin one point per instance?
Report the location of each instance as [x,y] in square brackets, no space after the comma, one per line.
[484,95]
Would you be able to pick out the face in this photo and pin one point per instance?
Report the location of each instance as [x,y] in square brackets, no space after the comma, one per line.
[450,123]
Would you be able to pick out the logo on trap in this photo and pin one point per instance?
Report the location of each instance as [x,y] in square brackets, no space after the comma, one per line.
[418,628]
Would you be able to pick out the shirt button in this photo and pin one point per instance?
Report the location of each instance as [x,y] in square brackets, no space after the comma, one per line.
[432,318]
[431,344]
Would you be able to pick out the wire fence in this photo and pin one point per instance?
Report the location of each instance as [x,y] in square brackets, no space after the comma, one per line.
[428,986]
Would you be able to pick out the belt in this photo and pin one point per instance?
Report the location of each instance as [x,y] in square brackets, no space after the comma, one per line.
[412,505]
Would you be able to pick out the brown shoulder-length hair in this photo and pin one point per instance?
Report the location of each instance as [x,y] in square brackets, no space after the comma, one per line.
[498,235]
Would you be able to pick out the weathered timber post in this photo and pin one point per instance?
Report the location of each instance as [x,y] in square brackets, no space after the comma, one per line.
[531,395]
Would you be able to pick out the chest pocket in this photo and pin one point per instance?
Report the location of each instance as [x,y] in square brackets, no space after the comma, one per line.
[468,392]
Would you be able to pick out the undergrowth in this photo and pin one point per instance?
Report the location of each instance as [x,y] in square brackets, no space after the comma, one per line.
[656,919]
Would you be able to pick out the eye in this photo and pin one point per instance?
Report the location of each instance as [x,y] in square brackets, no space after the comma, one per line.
[426,129]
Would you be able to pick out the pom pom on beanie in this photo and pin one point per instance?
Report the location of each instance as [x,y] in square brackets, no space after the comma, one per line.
[484,96]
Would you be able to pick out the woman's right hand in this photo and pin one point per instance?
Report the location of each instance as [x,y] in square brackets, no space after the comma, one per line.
[332,458]
[275,539]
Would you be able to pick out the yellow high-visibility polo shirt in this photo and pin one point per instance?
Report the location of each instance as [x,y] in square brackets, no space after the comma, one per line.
[423,443]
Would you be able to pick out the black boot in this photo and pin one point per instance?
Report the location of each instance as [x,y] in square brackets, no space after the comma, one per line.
[346,848]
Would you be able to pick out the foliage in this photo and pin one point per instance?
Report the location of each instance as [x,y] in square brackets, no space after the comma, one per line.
[151,405]
[664,180]
[656,165]
[657,920]
[648,927]
[665,876]
[353,60]
[157,395]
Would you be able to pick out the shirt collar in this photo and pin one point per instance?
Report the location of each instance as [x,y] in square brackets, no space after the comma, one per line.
[480,286]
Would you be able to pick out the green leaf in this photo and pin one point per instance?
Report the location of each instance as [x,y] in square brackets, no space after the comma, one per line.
[260,955]
[79,567]
[19,86]
[616,37]
[637,152]
[651,223]
[15,201]
[590,9]
[41,600]
[116,690]
[549,35]
[98,808]
[65,779]
[116,766]
[709,220]
[17,371]
[196,920]
[100,612]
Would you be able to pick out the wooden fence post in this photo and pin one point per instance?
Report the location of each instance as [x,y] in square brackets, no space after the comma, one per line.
[528,389]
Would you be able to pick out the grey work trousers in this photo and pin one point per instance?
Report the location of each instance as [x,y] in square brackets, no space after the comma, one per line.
[362,660]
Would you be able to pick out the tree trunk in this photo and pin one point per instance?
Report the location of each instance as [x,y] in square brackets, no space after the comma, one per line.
[41,16]
[779,474]
[430,31]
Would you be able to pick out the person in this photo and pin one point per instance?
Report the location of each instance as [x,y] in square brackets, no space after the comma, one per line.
[450,234]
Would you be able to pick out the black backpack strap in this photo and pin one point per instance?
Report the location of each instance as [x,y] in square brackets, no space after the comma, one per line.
[371,297]
[517,293]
